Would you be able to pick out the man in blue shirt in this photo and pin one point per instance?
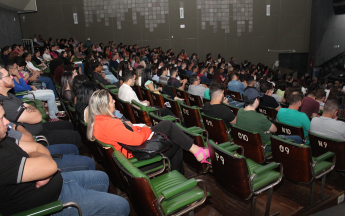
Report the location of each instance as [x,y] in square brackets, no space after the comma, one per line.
[235,85]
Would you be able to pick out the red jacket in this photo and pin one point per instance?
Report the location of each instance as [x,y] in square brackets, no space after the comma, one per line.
[111,131]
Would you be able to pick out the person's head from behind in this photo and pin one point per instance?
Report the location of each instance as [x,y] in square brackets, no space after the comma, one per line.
[66,81]
[100,103]
[84,93]
[138,72]
[194,79]
[6,81]
[234,76]
[251,97]
[146,75]
[129,78]
[249,80]
[266,88]
[331,108]
[173,72]
[217,91]
[77,81]
[3,121]
[329,85]
[314,79]
[320,95]
[311,95]
[164,71]
[295,100]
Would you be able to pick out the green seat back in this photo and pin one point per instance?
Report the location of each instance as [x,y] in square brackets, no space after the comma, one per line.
[191,116]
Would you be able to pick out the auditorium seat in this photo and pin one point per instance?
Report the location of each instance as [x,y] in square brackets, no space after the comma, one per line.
[163,195]
[191,116]
[232,108]
[204,100]
[234,95]
[49,209]
[141,113]
[155,119]
[35,103]
[195,100]
[146,94]
[183,95]
[173,105]
[91,145]
[126,110]
[286,129]
[157,100]
[242,176]
[252,144]
[321,145]
[268,111]
[137,90]
[199,136]
[216,128]
[300,166]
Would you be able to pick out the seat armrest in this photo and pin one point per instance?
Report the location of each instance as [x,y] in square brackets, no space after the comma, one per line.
[21,93]
[142,163]
[173,191]
[232,148]
[324,157]
[46,209]
[225,144]
[266,168]
[151,109]
[108,86]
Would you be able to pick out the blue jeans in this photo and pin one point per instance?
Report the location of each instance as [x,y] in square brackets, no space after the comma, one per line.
[89,189]
[82,68]
[295,138]
[235,103]
[71,160]
[49,83]
[111,77]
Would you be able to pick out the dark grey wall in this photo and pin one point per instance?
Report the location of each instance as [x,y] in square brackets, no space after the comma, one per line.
[286,29]
[10,31]
[327,31]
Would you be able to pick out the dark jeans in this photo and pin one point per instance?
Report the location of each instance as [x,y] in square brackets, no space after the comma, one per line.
[61,132]
[181,142]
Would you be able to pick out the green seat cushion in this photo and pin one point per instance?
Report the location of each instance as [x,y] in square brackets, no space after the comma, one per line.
[169,180]
[261,180]
[321,166]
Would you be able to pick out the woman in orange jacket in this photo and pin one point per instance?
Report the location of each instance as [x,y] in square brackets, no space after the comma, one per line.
[105,127]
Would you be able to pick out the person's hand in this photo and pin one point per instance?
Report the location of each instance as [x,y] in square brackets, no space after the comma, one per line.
[27,75]
[147,103]
[225,100]
[103,75]
[107,80]
[267,132]
[204,85]
[160,89]
[33,88]
[15,72]
[184,81]
[43,182]
[129,123]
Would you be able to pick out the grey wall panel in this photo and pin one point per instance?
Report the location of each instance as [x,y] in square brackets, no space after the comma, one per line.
[10,32]
[230,27]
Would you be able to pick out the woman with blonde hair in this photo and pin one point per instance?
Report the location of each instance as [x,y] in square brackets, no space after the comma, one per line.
[105,127]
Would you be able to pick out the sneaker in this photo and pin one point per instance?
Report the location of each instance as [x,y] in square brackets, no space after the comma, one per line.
[60,115]
[54,120]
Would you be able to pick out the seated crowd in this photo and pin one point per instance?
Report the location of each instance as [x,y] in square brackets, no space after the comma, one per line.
[84,75]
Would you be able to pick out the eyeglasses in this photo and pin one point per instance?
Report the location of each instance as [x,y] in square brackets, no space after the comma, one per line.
[6,76]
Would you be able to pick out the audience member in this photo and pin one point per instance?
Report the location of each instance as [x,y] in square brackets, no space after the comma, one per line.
[216,108]
[310,106]
[267,100]
[195,88]
[327,124]
[320,97]
[235,85]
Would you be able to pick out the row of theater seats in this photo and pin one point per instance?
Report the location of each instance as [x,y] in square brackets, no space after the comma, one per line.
[237,156]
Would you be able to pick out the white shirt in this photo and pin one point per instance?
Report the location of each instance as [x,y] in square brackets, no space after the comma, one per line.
[31,66]
[327,93]
[126,93]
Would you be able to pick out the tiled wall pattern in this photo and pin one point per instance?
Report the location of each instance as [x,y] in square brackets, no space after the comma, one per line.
[214,11]
[153,10]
